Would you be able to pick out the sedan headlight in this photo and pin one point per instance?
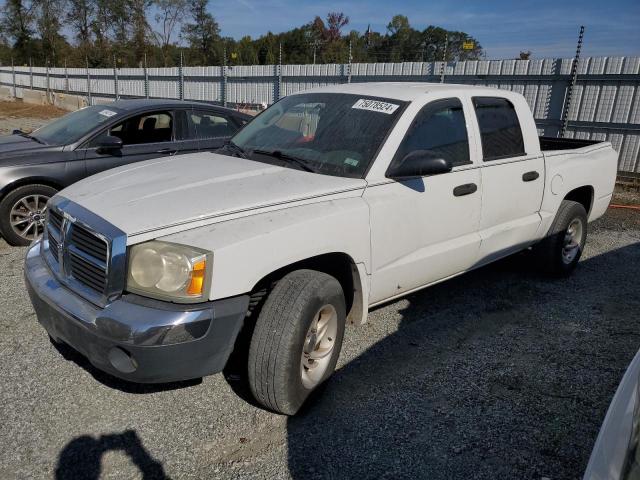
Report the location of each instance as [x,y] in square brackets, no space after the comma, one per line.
[169,271]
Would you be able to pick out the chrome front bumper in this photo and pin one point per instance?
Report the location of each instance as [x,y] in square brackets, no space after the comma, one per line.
[136,338]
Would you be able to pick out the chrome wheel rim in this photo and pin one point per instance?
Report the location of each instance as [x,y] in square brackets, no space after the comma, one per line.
[318,346]
[27,216]
[572,241]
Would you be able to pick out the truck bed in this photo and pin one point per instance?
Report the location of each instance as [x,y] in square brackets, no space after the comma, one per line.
[554,143]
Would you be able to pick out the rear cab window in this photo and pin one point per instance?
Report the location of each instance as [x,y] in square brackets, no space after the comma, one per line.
[500,131]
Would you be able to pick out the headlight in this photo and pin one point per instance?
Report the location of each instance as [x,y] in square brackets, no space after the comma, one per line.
[169,271]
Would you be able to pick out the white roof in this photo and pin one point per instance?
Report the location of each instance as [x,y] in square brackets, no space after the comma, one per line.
[407,91]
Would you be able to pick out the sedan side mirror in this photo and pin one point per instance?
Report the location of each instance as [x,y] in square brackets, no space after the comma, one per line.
[109,143]
[419,163]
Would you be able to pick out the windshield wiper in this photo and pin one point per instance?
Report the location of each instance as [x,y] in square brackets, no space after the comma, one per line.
[290,158]
[31,137]
[234,148]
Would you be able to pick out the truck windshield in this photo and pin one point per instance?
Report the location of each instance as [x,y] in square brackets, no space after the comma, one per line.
[74,126]
[329,133]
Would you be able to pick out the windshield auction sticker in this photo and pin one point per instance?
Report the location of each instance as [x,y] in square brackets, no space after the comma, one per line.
[107,113]
[375,106]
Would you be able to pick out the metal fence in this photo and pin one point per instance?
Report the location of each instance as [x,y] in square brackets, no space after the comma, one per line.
[604,105]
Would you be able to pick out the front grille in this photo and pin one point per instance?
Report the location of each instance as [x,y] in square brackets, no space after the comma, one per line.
[85,272]
[87,242]
[54,232]
[88,256]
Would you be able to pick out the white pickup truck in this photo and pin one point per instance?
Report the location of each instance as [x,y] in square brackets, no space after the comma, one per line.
[330,202]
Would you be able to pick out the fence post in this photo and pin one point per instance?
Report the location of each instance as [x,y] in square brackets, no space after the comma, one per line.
[278,95]
[88,82]
[115,79]
[13,78]
[181,79]
[48,82]
[444,57]
[224,77]
[30,73]
[66,77]
[572,82]
[349,66]
[146,78]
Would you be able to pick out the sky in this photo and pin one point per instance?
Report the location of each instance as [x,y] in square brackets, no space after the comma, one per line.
[503,28]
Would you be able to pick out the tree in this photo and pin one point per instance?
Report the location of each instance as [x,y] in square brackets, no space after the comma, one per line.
[79,16]
[48,26]
[525,55]
[398,24]
[202,33]
[335,23]
[170,15]
[18,25]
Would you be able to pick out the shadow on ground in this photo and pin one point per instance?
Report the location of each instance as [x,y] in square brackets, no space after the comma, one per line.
[81,458]
[495,374]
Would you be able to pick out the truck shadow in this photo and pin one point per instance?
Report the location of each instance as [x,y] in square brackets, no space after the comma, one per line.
[487,376]
[81,458]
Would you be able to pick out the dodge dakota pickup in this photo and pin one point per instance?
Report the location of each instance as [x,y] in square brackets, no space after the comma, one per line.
[330,202]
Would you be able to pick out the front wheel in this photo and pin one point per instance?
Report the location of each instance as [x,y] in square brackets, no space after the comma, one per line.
[22,213]
[559,253]
[297,339]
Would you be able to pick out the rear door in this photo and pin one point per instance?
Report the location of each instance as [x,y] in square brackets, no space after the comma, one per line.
[512,179]
[144,136]
[211,128]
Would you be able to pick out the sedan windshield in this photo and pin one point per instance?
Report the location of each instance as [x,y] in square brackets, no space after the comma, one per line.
[74,126]
[329,133]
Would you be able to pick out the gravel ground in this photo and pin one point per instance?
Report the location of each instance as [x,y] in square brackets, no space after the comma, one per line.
[500,373]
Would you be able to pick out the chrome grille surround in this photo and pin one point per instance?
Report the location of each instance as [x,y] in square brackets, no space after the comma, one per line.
[86,253]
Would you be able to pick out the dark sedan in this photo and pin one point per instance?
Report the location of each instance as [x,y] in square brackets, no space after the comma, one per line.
[33,167]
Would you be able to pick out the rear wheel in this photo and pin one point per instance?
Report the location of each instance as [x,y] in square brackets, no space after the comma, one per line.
[559,253]
[297,339]
[22,213]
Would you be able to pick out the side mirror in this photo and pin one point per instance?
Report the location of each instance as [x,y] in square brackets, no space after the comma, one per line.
[419,163]
[108,143]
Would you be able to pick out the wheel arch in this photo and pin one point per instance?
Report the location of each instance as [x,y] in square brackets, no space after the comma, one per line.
[22,182]
[583,195]
[352,278]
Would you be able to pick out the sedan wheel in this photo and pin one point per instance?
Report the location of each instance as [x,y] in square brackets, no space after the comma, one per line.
[27,216]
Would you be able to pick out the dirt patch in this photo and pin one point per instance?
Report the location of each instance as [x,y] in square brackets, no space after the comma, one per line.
[19,109]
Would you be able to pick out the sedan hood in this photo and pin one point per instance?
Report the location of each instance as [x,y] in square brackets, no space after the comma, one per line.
[183,190]
[10,144]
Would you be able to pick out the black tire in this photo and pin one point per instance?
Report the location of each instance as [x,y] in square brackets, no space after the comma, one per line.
[7,204]
[275,353]
[549,252]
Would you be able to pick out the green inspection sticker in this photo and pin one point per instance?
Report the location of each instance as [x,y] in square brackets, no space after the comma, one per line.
[351,161]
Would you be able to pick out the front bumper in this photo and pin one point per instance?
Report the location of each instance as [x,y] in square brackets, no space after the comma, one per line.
[136,338]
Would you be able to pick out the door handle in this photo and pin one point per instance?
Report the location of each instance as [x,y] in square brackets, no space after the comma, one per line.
[167,151]
[530,176]
[466,189]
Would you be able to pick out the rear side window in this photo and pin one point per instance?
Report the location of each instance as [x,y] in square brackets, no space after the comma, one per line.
[440,129]
[500,130]
[209,125]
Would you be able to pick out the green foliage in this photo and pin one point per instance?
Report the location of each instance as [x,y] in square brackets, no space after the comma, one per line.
[103,31]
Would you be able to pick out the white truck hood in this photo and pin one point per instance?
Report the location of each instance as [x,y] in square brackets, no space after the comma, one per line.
[198,188]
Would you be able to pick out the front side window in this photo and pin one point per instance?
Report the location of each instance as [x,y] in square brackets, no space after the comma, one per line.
[499,128]
[439,129]
[330,133]
[209,125]
[154,127]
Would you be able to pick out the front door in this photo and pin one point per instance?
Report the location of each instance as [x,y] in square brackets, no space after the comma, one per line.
[144,136]
[426,229]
